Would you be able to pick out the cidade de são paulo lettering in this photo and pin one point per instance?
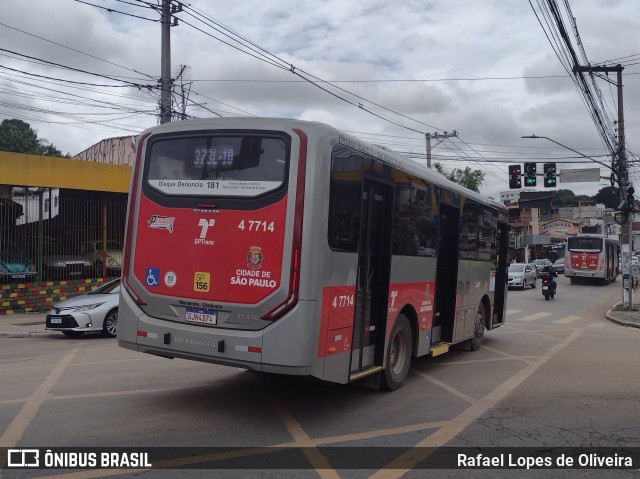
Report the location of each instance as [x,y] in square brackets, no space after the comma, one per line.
[591,460]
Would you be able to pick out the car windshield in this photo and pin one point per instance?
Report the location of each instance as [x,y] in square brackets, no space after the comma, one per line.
[516,268]
[112,287]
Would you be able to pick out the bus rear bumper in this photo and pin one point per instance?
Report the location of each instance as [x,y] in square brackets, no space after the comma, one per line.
[280,347]
[584,274]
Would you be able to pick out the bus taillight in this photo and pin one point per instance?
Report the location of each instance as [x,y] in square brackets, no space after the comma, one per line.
[601,264]
[128,235]
[294,279]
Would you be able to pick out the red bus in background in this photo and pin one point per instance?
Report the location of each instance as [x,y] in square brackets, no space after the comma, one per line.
[290,247]
[592,257]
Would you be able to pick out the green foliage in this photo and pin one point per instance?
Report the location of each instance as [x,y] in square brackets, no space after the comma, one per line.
[17,136]
[609,195]
[468,178]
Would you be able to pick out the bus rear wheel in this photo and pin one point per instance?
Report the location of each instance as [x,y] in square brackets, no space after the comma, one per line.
[398,354]
[479,327]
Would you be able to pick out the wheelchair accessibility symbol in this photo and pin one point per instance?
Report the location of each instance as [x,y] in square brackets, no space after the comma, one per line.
[152,277]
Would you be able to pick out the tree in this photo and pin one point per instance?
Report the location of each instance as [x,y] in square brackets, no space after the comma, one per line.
[17,136]
[468,178]
[563,197]
[609,195]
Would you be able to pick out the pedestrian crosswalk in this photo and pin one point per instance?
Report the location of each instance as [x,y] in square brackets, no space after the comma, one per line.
[517,315]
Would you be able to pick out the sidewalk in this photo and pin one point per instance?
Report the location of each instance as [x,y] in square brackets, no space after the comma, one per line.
[32,325]
[624,318]
[24,326]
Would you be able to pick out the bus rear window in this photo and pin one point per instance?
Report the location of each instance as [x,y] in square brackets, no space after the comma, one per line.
[235,166]
[592,245]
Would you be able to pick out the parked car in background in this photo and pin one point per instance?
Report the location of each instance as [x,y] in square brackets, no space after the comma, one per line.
[111,258]
[16,267]
[559,265]
[521,275]
[96,310]
[540,264]
[59,261]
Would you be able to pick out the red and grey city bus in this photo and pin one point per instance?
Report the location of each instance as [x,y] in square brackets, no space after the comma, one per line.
[290,247]
[592,257]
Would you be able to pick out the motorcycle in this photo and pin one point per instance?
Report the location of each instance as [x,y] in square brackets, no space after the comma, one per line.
[547,287]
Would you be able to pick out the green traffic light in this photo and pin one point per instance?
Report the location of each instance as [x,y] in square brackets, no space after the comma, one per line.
[529,180]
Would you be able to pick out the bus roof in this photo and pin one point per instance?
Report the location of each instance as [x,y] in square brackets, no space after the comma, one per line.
[383,154]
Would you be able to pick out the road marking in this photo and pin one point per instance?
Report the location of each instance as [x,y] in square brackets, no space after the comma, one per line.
[16,428]
[446,387]
[513,311]
[533,317]
[406,462]
[302,439]
[21,422]
[568,319]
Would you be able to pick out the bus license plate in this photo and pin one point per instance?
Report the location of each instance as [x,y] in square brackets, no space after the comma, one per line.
[202,316]
[545,288]
[55,320]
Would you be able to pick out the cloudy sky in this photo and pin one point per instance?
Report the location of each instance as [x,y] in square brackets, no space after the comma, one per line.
[491,70]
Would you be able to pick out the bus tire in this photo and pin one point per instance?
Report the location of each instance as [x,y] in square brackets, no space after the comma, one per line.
[478,329]
[398,357]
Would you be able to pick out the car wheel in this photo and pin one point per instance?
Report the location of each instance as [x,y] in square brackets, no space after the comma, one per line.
[73,334]
[533,286]
[398,354]
[524,284]
[110,324]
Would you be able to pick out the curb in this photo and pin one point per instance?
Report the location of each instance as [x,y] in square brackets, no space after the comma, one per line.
[622,322]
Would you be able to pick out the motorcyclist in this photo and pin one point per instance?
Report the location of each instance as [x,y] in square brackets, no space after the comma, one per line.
[548,269]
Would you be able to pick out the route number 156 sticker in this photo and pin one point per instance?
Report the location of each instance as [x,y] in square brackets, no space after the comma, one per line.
[201,281]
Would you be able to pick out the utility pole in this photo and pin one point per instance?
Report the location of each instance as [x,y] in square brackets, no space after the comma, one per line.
[437,136]
[165,57]
[621,168]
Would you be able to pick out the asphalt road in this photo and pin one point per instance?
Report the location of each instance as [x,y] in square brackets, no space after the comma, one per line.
[557,374]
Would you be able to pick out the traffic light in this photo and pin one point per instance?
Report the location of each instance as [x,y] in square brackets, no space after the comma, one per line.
[630,203]
[529,174]
[515,174]
[549,175]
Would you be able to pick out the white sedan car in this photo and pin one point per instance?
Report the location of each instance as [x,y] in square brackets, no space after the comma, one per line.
[96,310]
[521,275]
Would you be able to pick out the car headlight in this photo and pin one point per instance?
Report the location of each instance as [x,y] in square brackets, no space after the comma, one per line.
[87,307]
